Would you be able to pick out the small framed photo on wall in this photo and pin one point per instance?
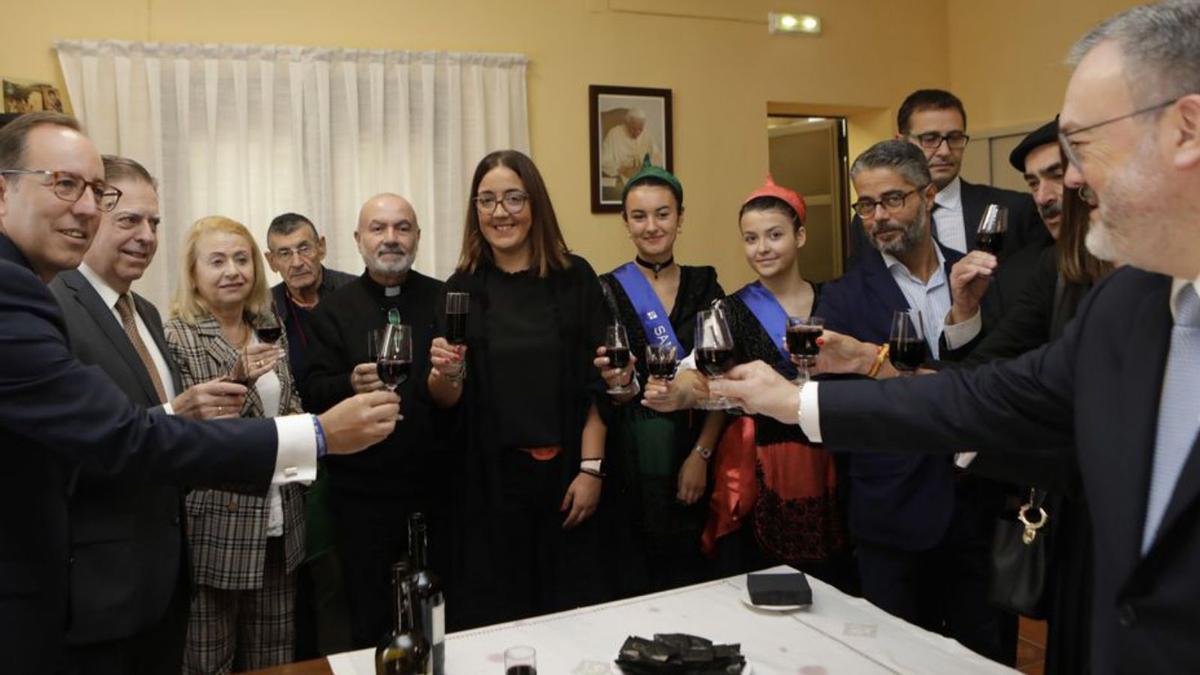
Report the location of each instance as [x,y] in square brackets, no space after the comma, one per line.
[626,125]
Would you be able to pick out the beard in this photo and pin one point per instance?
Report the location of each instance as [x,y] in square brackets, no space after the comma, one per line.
[1133,203]
[1051,210]
[911,234]
[393,267]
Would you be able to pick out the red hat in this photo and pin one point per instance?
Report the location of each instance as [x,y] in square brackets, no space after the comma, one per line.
[790,197]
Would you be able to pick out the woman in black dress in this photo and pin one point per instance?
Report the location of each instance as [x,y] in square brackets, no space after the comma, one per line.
[529,438]
[659,461]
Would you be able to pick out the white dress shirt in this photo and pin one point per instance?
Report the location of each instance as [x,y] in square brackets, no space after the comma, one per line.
[948,218]
[296,452]
[270,391]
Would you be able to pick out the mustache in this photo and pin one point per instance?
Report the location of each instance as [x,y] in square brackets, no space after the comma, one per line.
[390,248]
[1051,210]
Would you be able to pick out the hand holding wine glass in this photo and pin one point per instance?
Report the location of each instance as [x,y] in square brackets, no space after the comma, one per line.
[906,341]
[803,333]
[616,356]
[395,357]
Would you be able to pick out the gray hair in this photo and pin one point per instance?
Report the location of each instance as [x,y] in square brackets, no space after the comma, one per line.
[900,156]
[1160,46]
[635,115]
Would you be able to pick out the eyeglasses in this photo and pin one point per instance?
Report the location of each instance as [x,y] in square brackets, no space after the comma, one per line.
[304,250]
[955,140]
[890,201]
[1069,146]
[69,187]
[514,202]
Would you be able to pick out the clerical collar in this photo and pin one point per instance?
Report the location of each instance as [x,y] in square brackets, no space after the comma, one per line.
[655,267]
[391,291]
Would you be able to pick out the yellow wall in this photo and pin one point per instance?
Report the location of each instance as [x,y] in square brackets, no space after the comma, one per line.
[1003,57]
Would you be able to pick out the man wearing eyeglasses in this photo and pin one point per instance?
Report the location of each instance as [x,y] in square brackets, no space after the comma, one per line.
[56,413]
[936,121]
[1119,392]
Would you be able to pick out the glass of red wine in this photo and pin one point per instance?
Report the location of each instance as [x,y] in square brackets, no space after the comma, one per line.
[456,318]
[992,227]
[616,348]
[906,342]
[802,334]
[661,361]
[394,359]
[520,660]
[714,352]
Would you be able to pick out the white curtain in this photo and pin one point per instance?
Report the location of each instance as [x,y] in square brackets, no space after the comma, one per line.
[252,131]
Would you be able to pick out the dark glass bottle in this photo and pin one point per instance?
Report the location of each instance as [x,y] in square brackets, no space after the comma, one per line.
[427,591]
[405,651]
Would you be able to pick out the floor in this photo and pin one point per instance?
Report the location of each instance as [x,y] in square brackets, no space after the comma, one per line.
[1031,647]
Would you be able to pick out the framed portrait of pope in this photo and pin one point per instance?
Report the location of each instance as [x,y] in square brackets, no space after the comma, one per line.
[626,125]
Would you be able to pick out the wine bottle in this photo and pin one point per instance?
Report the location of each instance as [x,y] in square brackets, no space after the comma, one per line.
[427,591]
[405,651]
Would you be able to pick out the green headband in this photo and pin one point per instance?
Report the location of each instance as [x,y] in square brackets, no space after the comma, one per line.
[657,174]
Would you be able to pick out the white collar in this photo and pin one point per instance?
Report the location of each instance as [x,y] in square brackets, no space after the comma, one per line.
[891,261]
[1177,285]
[950,197]
[106,292]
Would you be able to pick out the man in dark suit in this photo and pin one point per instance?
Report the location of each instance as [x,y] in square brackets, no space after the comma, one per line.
[55,412]
[1122,386]
[128,575]
[921,537]
[935,121]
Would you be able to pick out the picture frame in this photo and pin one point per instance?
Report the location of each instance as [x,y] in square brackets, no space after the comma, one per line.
[625,124]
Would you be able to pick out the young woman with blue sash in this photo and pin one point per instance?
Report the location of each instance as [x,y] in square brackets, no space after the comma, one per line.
[775,493]
[659,461]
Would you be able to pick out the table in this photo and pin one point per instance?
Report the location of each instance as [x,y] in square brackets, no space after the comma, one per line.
[838,634]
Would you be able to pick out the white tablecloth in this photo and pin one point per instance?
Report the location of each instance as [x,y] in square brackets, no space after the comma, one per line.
[838,634]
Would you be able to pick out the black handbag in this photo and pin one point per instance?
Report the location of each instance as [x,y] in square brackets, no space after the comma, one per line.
[1019,559]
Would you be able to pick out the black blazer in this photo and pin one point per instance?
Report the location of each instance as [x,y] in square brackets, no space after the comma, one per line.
[126,536]
[1025,226]
[898,500]
[55,412]
[1097,389]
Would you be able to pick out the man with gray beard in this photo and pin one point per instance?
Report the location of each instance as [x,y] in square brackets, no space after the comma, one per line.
[922,534]
[371,499]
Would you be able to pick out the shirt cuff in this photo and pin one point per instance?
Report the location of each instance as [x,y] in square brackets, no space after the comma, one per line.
[296,457]
[959,334]
[167,409]
[810,414]
[688,362]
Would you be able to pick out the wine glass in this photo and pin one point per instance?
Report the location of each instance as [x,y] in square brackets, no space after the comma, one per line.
[456,318]
[520,660]
[395,357]
[268,328]
[616,348]
[802,334]
[992,226]
[661,361]
[714,351]
[906,342]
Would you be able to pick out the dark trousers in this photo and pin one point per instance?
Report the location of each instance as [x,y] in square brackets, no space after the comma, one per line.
[945,589]
[371,536]
[322,620]
[156,651]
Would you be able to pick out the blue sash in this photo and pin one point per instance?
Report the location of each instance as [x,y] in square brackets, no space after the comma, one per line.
[772,317]
[656,323]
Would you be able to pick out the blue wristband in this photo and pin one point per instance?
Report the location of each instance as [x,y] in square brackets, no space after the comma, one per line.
[322,447]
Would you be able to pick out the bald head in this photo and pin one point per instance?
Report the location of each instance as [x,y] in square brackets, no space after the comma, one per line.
[387,237]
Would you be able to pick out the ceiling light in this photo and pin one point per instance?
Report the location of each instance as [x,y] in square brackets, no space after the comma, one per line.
[778,22]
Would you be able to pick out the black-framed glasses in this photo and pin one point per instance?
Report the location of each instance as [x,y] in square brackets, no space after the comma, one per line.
[69,187]
[1068,146]
[890,201]
[514,202]
[930,140]
[305,250]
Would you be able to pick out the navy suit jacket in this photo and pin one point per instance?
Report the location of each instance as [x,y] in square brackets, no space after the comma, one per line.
[126,536]
[899,500]
[55,412]
[1096,390]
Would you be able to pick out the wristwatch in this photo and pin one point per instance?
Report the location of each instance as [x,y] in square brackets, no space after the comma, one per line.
[705,453]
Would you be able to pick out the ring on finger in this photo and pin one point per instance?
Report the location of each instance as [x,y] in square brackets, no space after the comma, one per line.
[220,410]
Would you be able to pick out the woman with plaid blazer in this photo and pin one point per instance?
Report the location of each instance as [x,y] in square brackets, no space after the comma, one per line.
[244,548]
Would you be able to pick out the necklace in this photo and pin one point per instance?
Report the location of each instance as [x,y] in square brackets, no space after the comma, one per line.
[655,267]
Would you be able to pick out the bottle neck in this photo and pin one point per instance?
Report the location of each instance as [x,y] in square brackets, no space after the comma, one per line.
[403,618]
[417,544]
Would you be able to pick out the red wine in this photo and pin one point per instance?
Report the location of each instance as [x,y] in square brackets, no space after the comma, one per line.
[618,357]
[802,341]
[662,369]
[906,355]
[456,329]
[269,334]
[714,362]
[393,372]
[521,670]
[992,242]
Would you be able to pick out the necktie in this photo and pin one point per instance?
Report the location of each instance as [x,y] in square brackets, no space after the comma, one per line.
[1178,410]
[125,309]
[933,222]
